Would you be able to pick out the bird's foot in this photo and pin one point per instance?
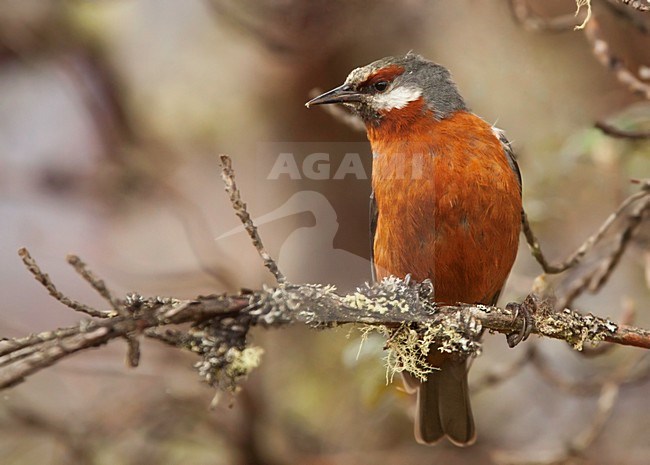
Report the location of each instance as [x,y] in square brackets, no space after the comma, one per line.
[423,288]
[525,310]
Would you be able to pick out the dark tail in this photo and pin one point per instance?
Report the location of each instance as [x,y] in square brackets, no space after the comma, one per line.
[443,406]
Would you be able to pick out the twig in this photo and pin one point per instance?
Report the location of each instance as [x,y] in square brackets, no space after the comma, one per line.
[228,176]
[613,131]
[13,345]
[638,206]
[96,283]
[636,4]
[45,280]
[132,349]
[607,58]
[536,248]
[642,200]
[27,351]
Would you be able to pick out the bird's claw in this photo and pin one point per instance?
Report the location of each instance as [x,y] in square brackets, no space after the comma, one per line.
[526,310]
[423,288]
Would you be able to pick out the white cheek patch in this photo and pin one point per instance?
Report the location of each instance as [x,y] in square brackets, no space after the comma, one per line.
[396,98]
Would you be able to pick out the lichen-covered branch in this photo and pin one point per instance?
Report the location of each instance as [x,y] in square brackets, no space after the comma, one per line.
[220,324]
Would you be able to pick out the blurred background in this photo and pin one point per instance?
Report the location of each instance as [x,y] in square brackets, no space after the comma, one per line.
[112,114]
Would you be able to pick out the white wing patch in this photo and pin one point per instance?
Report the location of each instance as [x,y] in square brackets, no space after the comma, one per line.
[396,98]
[499,133]
[510,155]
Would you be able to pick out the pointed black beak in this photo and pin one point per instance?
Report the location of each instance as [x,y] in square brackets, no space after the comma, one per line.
[341,94]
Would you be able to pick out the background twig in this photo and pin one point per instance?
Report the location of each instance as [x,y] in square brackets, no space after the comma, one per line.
[228,176]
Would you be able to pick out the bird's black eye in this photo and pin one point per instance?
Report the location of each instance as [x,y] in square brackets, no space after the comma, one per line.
[380,86]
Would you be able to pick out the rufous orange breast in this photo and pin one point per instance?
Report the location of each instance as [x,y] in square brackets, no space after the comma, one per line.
[449,204]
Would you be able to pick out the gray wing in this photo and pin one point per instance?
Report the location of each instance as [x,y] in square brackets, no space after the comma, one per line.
[373,228]
[510,154]
[512,161]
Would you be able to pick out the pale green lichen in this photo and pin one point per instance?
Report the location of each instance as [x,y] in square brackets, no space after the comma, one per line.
[226,367]
[239,364]
[380,305]
[407,351]
[576,329]
[242,362]
[409,346]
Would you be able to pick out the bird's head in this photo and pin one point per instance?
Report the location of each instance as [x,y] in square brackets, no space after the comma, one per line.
[410,83]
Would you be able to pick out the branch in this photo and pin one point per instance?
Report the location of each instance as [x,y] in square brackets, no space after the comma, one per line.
[220,324]
[45,280]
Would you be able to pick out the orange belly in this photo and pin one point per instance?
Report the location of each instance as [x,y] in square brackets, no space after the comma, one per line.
[449,208]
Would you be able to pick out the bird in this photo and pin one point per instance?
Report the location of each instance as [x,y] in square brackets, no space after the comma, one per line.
[446,206]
